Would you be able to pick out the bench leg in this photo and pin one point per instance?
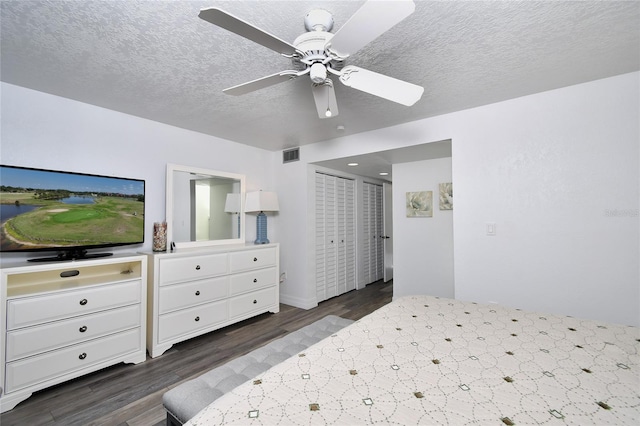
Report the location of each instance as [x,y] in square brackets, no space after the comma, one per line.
[172,421]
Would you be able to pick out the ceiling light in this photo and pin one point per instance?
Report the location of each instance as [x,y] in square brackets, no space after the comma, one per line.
[318,73]
[328,113]
[352,164]
[384,173]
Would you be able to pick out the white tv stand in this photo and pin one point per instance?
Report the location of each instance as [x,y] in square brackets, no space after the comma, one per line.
[62,320]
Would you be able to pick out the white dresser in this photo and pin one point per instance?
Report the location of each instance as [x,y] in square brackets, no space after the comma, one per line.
[61,320]
[195,291]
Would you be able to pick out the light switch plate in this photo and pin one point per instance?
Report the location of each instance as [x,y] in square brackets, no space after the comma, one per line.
[491,229]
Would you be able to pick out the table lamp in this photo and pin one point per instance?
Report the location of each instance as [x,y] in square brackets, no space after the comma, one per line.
[261,201]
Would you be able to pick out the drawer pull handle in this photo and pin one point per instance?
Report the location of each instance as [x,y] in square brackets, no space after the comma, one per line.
[84,302]
[82,329]
[255,280]
[255,259]
[255,301]
[197,267]
[83,355]
[198,293]
[197,319]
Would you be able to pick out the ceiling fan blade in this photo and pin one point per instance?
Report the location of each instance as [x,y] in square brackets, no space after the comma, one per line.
[369,22]
[236,25]
[325,97]
[381,85]
[261,83]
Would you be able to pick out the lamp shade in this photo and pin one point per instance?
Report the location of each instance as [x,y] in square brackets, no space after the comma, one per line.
[261,201]
[232,204]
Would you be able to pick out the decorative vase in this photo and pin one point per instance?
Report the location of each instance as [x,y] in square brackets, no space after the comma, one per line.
[160,236]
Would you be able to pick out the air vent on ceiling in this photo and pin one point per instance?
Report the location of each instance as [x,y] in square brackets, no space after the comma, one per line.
[289,155]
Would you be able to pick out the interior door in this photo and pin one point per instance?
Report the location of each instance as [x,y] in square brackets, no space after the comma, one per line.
[387,233]
[379,233]
[331,237]
[367,243]
[340,241]
[335,236]
[320,239]
[201,223]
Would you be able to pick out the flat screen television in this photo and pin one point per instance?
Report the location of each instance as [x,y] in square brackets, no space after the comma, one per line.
[68,212]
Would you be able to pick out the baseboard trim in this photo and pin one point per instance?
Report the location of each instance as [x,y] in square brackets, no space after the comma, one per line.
[298,302]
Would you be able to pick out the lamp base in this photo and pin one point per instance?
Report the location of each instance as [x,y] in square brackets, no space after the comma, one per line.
[261,230]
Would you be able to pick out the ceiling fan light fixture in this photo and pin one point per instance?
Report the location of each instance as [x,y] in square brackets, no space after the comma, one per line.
[318,73]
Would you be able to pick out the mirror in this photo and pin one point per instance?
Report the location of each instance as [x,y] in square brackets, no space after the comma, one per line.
[204,207]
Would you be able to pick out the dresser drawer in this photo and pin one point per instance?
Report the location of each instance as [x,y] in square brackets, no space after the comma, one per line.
[30,371]
[28,311]
[192,268]
[34,340]
[183,295]
[179,323]
[250,302]
[252,259]
[249,281]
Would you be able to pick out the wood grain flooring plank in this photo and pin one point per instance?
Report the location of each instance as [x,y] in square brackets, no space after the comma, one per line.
[112,396]
[142,412]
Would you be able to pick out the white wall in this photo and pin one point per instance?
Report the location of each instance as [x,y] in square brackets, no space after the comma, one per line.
[546,170]
[423,264]
[556,171]
[45,131]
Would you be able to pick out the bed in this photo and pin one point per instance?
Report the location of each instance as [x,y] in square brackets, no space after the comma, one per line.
[428,360]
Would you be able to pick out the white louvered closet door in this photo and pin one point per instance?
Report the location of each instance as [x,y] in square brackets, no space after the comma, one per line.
[367,241]
[379,240]
[346,231]
[373,244]
[335,236]
[330,236]
[350,234]
[321,253]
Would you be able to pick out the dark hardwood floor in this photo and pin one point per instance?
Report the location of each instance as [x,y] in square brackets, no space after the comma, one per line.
[127,394]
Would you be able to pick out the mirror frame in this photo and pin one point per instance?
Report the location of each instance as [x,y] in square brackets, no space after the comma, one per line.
[169,214]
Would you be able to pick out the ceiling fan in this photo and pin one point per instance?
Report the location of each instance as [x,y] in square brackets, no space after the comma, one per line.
[321,54]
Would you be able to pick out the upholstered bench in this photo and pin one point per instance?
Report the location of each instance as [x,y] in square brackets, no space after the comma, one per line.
[187,399]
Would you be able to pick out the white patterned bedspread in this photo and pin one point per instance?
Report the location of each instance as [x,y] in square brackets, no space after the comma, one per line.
[431,361]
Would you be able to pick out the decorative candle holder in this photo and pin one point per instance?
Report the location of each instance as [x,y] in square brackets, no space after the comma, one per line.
[160,236]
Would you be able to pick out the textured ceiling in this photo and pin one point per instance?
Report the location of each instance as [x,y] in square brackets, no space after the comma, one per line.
[158,60]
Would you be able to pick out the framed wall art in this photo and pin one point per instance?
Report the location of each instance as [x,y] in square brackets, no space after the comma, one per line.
[446,196]
[420,204]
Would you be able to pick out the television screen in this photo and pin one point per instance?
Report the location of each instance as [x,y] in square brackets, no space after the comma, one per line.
[68,212]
